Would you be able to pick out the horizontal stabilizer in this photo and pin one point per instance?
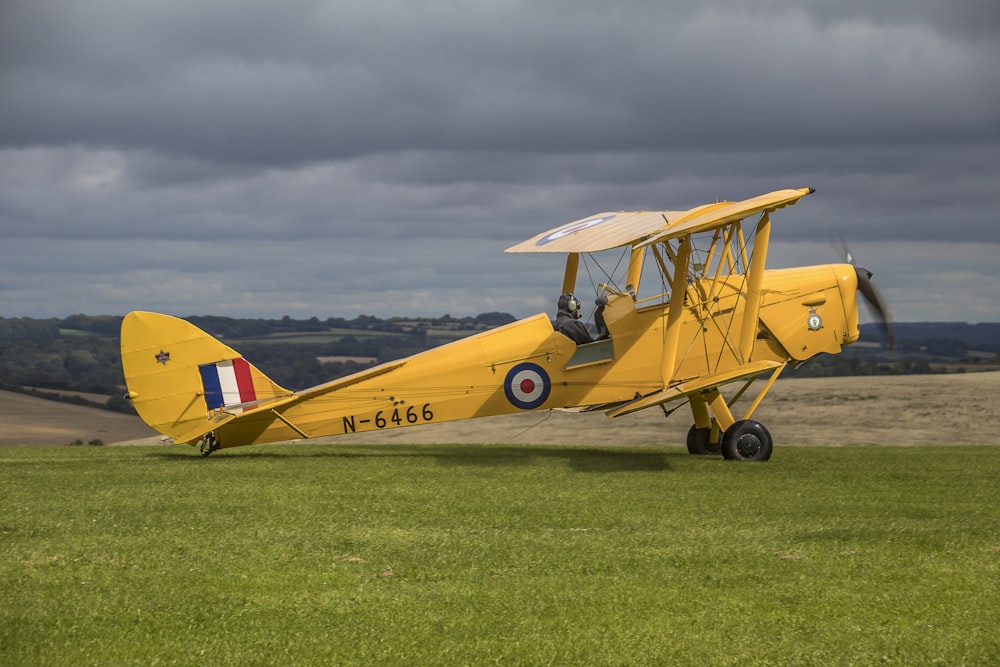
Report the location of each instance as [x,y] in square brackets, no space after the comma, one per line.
[191,436]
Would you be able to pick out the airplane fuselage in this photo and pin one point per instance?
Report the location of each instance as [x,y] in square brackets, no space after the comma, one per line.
[527,365]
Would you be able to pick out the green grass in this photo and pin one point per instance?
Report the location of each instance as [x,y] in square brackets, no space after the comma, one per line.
[405,555]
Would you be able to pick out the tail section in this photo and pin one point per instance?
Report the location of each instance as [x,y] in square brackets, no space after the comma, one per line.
[185,383]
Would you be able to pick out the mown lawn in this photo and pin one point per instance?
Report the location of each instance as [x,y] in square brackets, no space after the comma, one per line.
[455,555]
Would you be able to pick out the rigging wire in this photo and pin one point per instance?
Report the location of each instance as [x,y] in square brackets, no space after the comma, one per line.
[589,257]
[548,415]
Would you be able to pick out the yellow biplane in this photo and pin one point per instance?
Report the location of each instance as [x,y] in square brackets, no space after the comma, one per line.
[708,315]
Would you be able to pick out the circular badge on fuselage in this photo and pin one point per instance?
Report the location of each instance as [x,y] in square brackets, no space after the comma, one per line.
[526,386]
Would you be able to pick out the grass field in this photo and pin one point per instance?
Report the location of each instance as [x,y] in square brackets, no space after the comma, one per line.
[405,555]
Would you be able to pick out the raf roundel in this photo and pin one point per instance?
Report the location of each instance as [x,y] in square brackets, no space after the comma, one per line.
[573,228]
[527,386]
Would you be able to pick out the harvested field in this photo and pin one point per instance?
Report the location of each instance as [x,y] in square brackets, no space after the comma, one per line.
[27,420]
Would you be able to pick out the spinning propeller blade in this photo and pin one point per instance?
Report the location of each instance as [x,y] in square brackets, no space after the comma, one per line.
[876,305]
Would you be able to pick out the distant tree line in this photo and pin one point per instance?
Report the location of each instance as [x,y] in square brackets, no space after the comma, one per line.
[939,338]
[81,363]
[852,364]
[26,327]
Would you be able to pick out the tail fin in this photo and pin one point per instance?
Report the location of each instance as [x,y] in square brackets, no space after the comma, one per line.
[182,381]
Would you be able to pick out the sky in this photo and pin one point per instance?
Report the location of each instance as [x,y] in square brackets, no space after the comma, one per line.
[331,159]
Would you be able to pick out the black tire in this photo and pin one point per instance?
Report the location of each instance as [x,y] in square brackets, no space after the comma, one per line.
[747,440]
[699,442]
[208,444]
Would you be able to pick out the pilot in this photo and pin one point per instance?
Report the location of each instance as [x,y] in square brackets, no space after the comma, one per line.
[568,320]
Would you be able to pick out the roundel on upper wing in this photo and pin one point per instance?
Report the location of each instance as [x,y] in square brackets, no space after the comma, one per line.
[527,386]
[573,228]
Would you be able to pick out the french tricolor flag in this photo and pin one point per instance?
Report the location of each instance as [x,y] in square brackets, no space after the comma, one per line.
[227,382]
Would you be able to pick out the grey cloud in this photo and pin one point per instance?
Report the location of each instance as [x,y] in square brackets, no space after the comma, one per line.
[314,82]
[380,156]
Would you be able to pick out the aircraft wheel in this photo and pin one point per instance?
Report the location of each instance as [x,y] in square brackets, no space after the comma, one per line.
[699,441]
[747,440]
[208,444]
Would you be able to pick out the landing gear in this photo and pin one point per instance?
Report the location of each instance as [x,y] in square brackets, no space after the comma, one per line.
[208,444]
[743,439]
[747,440]
[704,441]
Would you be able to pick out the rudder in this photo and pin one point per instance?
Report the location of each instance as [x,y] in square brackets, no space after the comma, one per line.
[182,381]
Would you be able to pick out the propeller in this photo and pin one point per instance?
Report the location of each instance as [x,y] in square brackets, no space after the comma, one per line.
[876,305]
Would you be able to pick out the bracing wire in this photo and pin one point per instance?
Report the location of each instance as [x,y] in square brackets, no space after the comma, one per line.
[587,259]
[548,415]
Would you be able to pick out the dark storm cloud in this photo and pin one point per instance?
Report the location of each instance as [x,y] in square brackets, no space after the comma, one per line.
[352,153]
[299,82]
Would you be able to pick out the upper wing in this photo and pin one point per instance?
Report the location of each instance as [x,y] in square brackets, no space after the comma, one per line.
[716,215]
[615,229]
[598,232]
